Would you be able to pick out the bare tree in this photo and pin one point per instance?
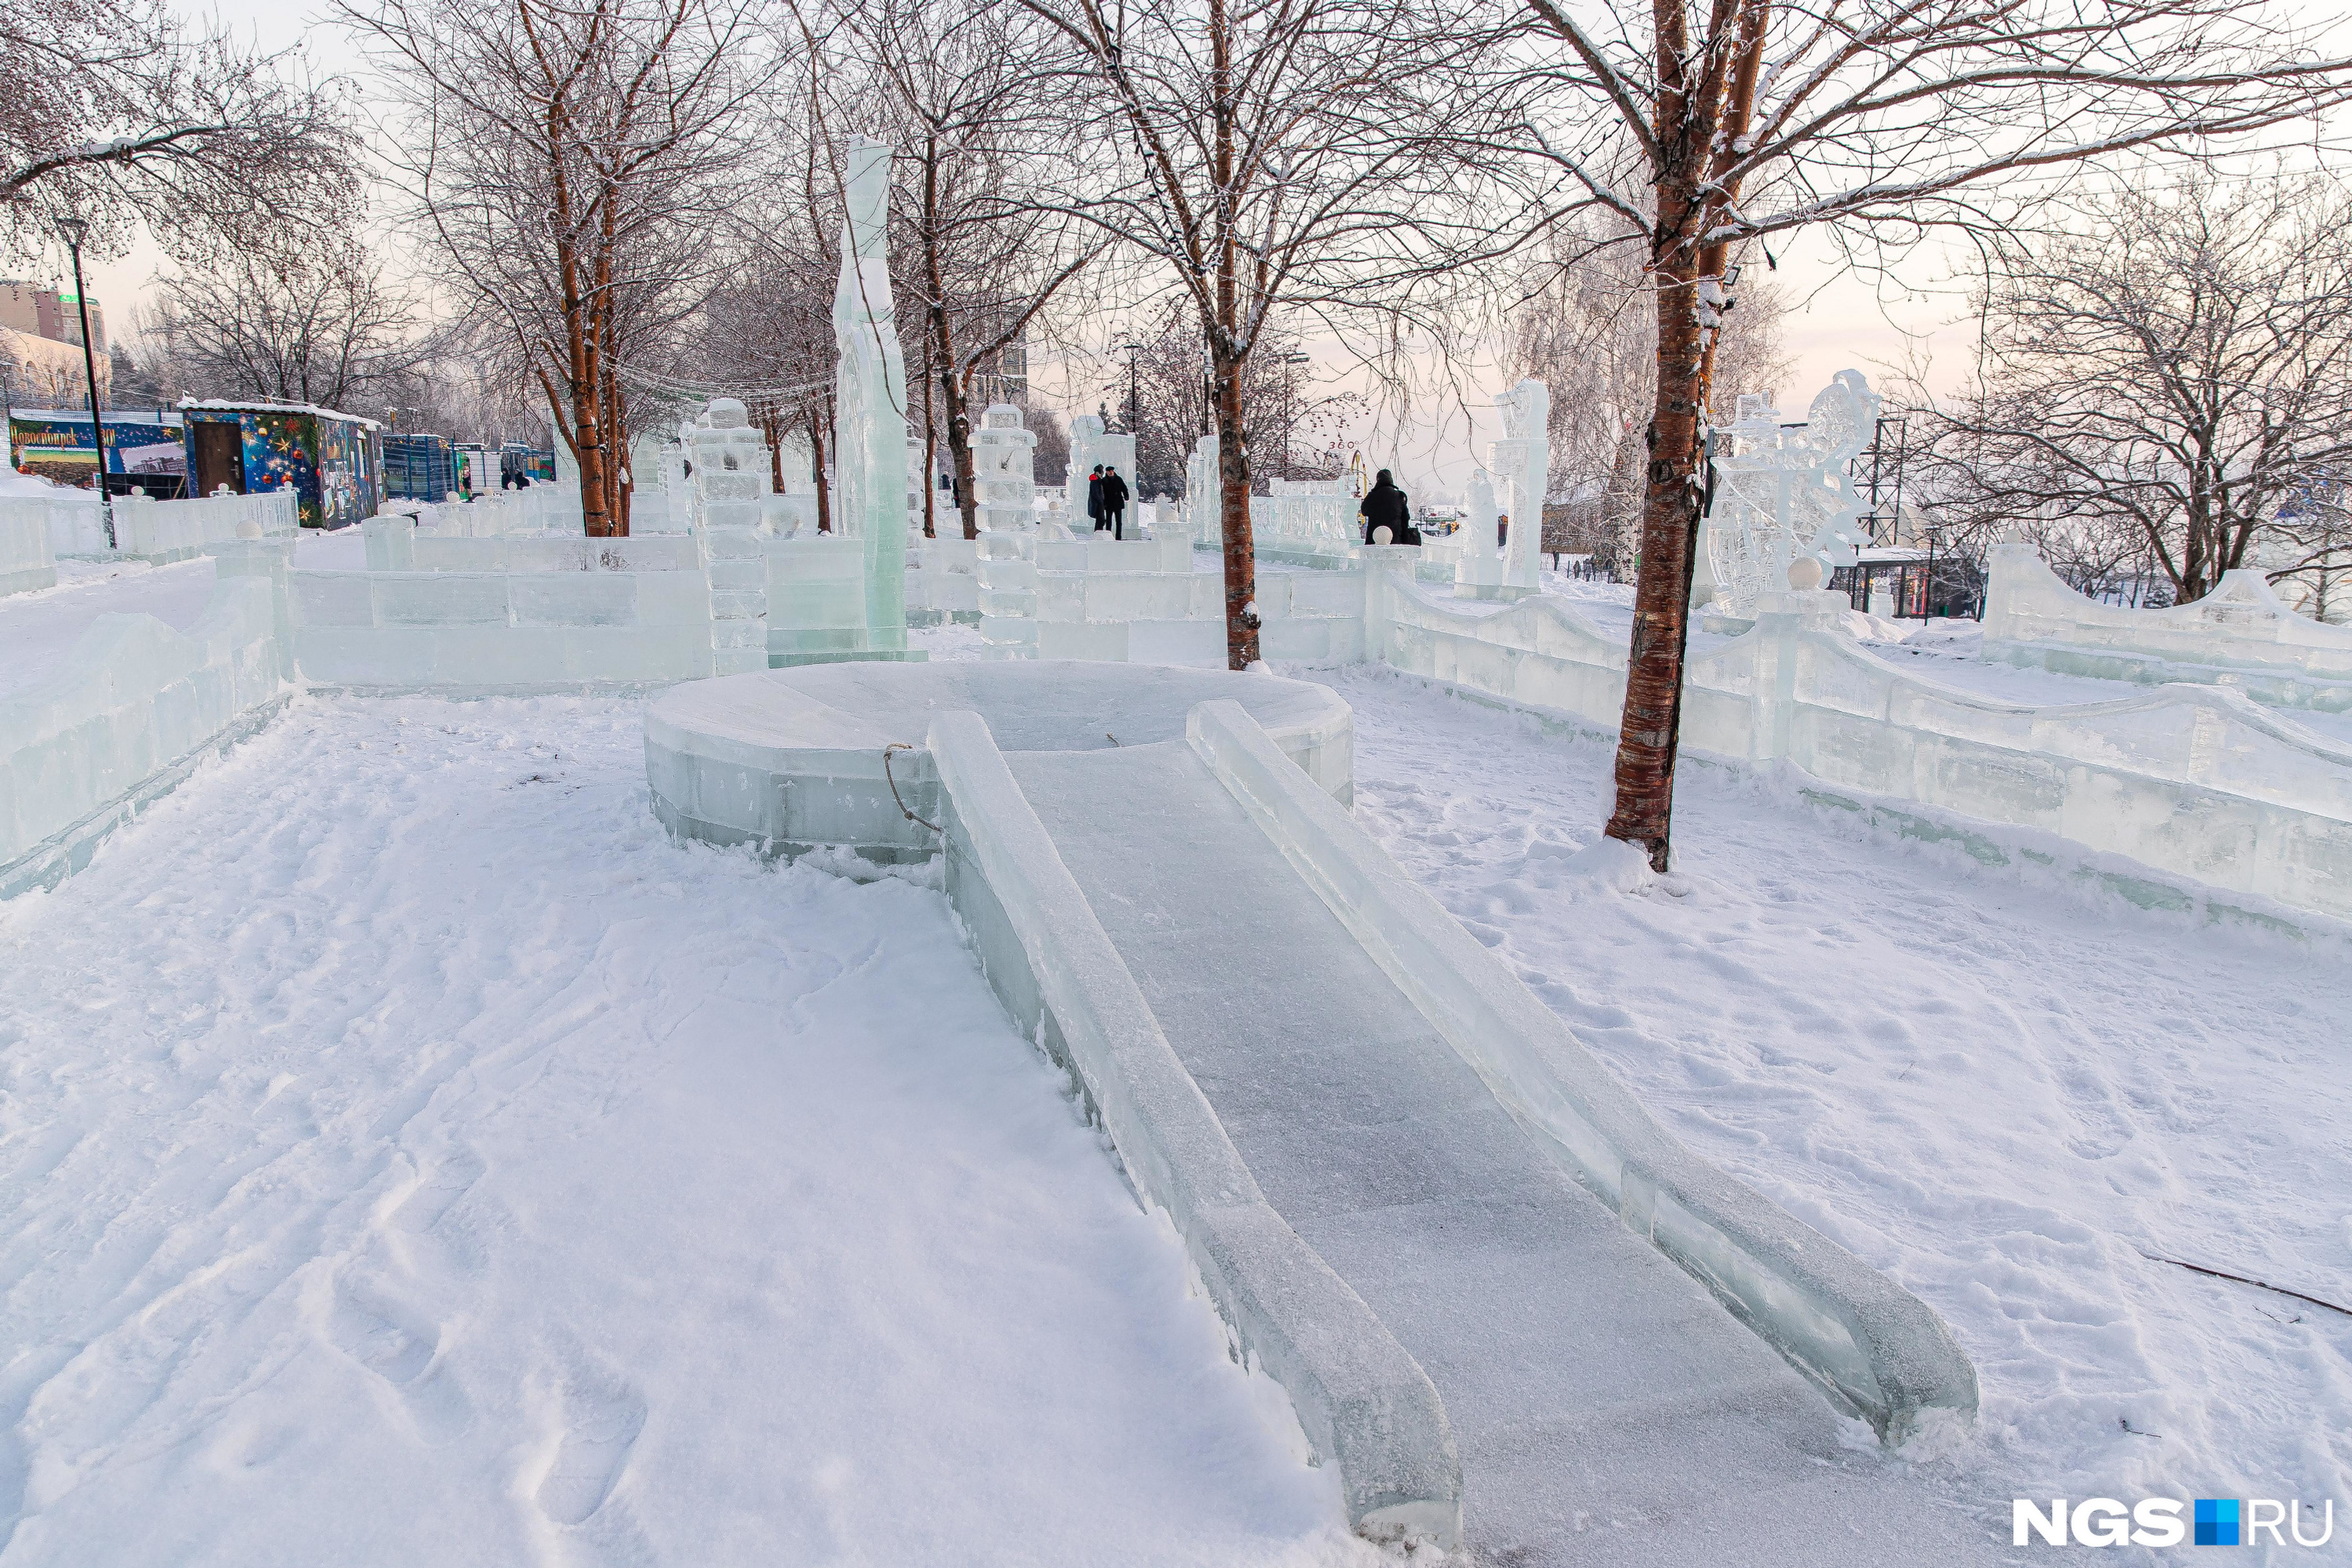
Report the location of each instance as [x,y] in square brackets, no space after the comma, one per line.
[1300,156]
[971,82]
[314,324]
[124,115]
[1746,119]
[570,158]
[1293,425]
[2175,367]
[1588,326]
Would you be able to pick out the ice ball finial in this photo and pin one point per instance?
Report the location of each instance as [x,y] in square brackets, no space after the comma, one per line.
[1805,573]
[728,414]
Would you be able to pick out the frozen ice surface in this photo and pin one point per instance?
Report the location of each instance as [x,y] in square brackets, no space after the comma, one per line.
[409,1155]
[1996,1085]
[39,629]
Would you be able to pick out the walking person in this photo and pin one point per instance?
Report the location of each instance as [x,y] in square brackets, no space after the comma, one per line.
[1095,498]
[1114,502]
[1384,506]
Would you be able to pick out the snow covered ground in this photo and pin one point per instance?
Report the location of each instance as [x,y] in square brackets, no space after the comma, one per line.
[1998,1086]
[408,1155]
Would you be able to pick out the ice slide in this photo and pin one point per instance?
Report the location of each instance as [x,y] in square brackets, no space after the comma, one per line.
[1507,1306]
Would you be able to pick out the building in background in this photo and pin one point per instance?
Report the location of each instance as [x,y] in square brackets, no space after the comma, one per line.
[40,346]
[333,461]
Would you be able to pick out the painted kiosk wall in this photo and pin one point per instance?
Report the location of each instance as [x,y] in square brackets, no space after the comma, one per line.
[333,461]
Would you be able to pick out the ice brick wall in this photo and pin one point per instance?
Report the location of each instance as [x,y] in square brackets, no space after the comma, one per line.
[394,543]
[135,706]
[26,559]
[479,632]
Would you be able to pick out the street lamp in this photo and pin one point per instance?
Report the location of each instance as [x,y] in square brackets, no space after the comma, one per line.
[1134,402]
[75,230]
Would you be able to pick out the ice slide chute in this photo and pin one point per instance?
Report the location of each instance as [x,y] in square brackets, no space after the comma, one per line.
[1505,1304]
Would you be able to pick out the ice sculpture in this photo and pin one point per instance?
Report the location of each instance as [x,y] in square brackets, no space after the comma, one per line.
[1092,442]
[1203,494]
[1005,466]
[845,596]
[731,471]
[1783,490]
[1521,466]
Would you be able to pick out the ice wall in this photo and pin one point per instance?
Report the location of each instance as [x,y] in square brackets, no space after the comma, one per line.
[2240,633]
[138,705]
[26,559]
[2195,780]
[165,530]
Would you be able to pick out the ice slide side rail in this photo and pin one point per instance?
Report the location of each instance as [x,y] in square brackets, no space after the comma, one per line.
[1364,1403]
[2240,633]
[1874,1347]
[136,708]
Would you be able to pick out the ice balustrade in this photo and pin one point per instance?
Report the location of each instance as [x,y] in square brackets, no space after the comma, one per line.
[2196,781]
[2241,635]
[157,531]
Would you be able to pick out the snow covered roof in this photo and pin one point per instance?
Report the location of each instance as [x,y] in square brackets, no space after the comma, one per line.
[113,415]
[263,406]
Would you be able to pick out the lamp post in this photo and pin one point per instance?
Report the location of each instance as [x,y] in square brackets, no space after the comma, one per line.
[75,229]
[1134,399]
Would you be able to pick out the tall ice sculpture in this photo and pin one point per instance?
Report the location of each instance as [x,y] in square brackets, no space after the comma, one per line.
[844,597]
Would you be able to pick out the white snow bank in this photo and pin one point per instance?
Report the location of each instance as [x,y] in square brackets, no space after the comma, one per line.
[408,1155]
[1998,1086]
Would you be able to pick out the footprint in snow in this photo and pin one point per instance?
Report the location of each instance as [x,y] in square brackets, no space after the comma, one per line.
[602,1415]
[400,1347]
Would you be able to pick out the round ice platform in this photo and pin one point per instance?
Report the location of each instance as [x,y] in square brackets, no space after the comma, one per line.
[792,759]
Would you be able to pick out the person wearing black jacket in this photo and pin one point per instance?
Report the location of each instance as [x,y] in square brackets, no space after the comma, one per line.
[1385,507]
[1114,503]
[1094,497]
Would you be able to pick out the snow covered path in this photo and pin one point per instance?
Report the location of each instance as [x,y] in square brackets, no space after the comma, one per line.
[408,1155]
[1995,1085]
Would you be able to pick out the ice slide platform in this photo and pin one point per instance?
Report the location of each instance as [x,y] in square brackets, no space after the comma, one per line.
[1514,1312]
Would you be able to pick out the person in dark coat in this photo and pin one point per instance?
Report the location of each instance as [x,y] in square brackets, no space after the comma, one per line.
[1114,502]
[1385,507]
[1095,497]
